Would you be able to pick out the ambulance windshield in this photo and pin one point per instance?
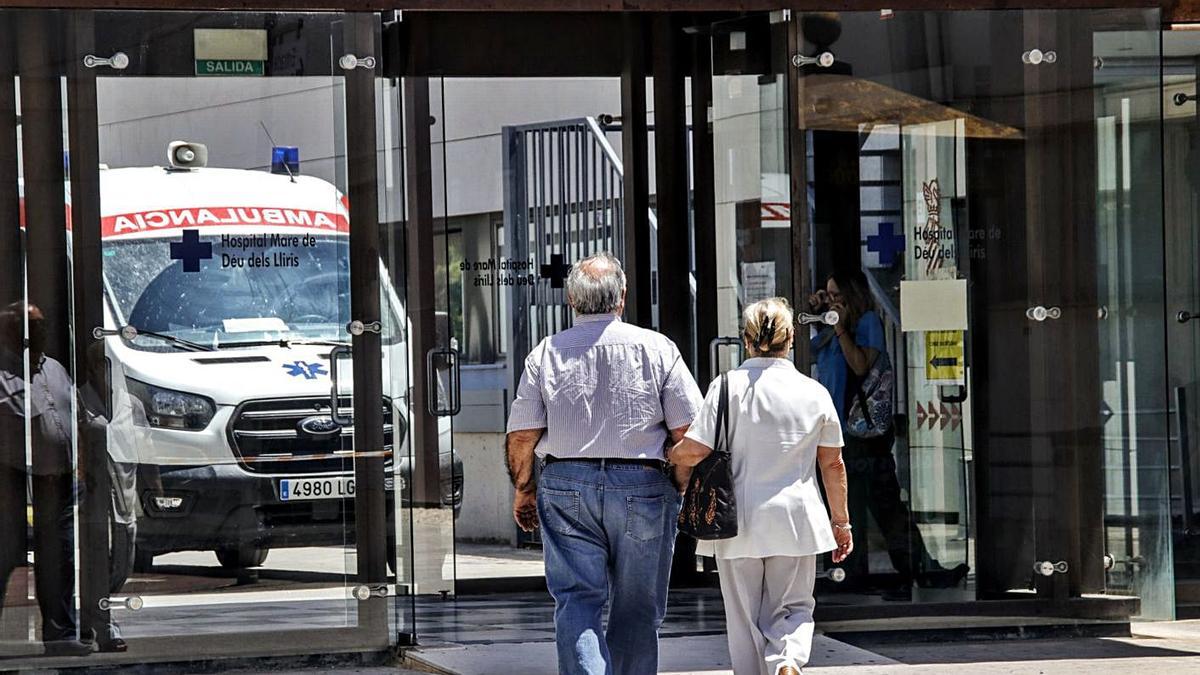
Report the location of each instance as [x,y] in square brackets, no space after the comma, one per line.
[251,288]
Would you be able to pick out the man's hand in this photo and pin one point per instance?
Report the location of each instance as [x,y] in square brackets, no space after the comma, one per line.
[525,509]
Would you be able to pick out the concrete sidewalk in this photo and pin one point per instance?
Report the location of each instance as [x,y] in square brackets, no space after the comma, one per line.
[1154,648]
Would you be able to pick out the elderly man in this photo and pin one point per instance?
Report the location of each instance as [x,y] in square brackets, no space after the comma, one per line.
[598,403]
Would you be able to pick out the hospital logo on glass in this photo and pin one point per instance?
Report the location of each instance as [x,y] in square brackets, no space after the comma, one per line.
[308,371]
[190,250]
[883,246]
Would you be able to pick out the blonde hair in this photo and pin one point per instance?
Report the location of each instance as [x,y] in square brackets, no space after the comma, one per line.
[768,327]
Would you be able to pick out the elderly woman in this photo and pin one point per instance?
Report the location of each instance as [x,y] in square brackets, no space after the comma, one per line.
[782,425]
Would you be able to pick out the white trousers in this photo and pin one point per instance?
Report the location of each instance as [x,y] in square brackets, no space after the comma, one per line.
[768,611]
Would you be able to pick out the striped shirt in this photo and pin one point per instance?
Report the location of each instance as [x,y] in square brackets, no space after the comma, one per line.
[604,388]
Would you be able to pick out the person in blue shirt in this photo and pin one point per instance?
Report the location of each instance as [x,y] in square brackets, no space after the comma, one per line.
[845,353]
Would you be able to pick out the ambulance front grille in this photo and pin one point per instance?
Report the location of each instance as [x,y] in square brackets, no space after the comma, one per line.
[266,437]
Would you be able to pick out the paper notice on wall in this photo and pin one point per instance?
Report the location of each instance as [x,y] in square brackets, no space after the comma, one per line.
[758,281]
[933,305]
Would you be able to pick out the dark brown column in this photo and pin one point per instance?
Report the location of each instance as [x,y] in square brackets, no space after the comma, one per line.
[797,139]
[422,309]
[703,206]
[1066,458]
[38,45]
[636,182]
[11,273]
[671,183]
[370,501]
[91,376]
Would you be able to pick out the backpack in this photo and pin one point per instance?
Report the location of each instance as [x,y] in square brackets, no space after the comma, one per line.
[870,414]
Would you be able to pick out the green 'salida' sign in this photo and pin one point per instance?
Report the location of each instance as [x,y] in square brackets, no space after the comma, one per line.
[231,52]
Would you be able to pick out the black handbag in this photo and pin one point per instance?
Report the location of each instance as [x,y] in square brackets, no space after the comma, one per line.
[709,507]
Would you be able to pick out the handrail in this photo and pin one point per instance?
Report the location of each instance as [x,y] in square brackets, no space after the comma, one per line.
[881,297]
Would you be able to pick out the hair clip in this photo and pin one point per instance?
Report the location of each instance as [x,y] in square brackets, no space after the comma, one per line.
[766,334]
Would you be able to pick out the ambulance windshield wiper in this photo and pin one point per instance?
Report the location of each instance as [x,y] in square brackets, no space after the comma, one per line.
[284,343]
[129,333]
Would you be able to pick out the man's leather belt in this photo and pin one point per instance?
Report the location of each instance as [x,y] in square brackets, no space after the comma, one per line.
[642,461]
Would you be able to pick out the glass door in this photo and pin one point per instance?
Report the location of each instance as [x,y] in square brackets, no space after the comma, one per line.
[991,202]
[1181,134]
[228,286]
[38,465]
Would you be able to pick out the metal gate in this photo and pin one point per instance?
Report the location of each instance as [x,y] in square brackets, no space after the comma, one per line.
[563,201]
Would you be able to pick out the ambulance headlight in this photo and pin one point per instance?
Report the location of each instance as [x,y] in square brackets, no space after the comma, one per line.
[170,409]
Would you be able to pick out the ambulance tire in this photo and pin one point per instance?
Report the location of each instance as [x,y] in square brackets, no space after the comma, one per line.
[121,549]
[143,561]
[242,557]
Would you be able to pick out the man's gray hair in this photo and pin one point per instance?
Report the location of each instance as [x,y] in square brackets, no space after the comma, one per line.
[596,285]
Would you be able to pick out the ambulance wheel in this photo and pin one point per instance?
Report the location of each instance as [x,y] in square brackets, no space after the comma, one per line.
[241,557]
[121,551]
[143,561]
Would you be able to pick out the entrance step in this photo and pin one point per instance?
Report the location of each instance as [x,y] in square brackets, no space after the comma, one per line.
[1187,591]
[867,633]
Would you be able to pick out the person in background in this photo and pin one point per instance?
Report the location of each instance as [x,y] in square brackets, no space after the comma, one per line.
[782,426]
[47,402]
[597,404]
[845,353]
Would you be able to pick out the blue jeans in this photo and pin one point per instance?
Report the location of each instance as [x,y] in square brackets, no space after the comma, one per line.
[608,532]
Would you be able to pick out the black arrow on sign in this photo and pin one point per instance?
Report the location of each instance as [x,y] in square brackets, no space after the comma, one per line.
[943,361]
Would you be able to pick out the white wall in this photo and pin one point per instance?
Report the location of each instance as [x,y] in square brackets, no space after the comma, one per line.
[487,497]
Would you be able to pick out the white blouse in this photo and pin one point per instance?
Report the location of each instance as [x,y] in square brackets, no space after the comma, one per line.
[777,419]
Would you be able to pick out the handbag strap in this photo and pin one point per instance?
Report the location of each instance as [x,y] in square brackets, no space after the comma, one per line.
[723,416]
[878,363]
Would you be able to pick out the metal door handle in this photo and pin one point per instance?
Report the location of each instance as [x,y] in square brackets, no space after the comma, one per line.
[823,60]
[334,403]
[714,346]
[1040,313]
[1047,568]
[357,327]
[433,398]
[118,61]
[829,318]
[835,574]
[1185,316]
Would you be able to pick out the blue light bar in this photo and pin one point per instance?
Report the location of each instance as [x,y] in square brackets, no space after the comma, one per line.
[285,159]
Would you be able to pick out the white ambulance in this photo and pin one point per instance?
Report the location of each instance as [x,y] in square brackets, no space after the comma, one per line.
[225,291]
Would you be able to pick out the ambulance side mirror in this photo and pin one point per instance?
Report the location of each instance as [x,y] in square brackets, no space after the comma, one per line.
[182,155]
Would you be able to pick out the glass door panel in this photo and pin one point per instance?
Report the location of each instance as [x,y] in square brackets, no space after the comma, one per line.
[392,184]
[989,197]
[751,183]
[1180,128]
[38,462]
[226,288]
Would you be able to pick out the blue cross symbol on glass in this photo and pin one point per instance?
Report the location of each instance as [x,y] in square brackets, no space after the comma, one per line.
[191,250]
[887,243]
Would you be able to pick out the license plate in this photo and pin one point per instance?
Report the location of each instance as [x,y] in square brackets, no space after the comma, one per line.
[303,489]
